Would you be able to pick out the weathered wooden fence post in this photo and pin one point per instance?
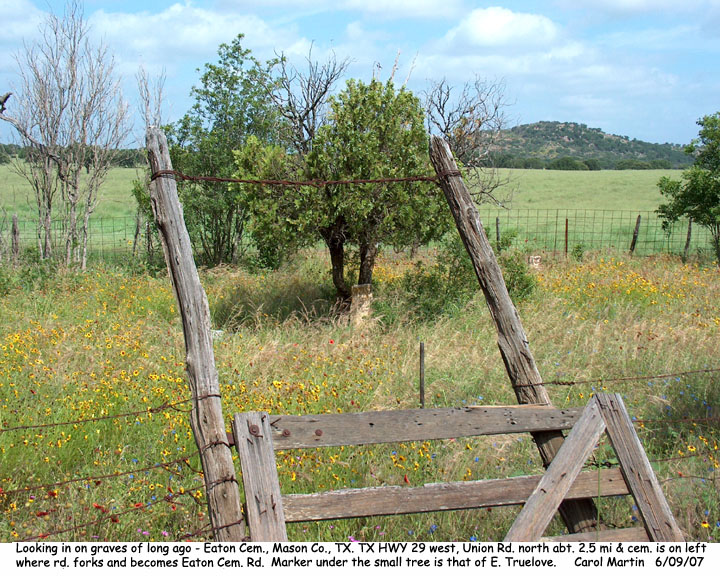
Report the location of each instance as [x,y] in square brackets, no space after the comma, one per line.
[422,374]
[636,233]
[579,515]
[15,239]
[206,417]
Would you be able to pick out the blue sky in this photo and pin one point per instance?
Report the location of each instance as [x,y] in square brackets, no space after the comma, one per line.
[640,68]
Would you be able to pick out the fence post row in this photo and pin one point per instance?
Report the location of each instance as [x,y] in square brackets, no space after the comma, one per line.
[206,417]
[579,515]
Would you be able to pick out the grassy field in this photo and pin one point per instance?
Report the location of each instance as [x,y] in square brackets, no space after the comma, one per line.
[601,209]
[598,190]
[526,189]
[116,200]
[75,348]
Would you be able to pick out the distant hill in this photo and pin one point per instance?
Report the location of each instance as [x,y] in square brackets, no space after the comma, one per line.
[554,144]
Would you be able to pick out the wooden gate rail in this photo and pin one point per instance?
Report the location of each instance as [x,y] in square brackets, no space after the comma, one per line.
[257,435]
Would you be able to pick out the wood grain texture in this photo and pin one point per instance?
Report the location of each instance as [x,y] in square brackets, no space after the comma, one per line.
[206,417]
[263,500]
[390,500]
[639,475]
[359,428]
[545,500]
[579,516]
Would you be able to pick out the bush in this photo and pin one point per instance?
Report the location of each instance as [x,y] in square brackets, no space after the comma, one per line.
[577,252]
[519,279]
[450,283]
[567,163]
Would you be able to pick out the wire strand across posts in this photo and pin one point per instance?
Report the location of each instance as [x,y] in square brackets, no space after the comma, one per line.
[177,175]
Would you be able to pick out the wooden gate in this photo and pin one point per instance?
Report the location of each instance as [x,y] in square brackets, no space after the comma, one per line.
[257,435]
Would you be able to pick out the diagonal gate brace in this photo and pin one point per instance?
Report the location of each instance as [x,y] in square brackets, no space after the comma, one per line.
[605,412]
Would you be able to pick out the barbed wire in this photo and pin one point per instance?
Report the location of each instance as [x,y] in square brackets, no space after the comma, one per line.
[113,517]
[98,478]
[317,183]
[153,410]
[622,378]
[676,420]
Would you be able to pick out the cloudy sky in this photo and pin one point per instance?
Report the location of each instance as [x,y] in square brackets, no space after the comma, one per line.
[641,68]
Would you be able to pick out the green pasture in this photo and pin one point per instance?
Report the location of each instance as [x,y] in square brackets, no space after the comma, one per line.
[601,209]
[526,189]
[116,200]
[586,190]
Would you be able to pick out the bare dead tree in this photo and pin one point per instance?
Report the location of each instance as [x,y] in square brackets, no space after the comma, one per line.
[301,96]
[471,119]
[151,94]
[151,91]
[71,114]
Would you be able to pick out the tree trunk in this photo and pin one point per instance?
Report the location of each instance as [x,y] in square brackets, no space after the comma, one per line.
[71,238]
[85,236]
[335,242]
[368,254]
[47,228]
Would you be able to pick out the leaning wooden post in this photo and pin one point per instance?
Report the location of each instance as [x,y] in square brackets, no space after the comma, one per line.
[206,417]
[636,233]
[579,515]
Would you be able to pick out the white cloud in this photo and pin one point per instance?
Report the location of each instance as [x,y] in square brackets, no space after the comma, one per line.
[636,7]
[500,27]
[183,32]
[20,19]
[385,9]
[408,9]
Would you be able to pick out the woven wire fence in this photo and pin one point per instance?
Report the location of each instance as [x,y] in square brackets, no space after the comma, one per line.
[568,230]
[559,231]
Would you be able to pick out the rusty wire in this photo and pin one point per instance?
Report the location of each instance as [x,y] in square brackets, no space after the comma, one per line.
[601,379]
[153,410]
[176,174]
[98,478]
[111,516]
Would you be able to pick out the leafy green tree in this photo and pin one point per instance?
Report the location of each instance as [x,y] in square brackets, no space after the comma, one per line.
[231,104]
[697,194]
[567,163]
[374,131]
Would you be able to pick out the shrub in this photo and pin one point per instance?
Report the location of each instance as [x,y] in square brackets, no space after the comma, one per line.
[449,284]
[519,279]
